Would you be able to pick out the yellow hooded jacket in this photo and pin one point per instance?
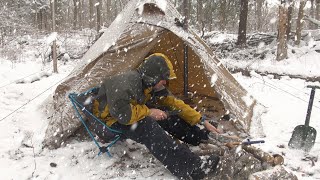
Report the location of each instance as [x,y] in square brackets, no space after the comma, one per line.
[127,95]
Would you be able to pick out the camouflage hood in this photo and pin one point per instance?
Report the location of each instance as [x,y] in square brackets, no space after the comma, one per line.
[155,68]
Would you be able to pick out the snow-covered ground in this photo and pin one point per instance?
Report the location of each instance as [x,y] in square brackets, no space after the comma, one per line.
[23,123]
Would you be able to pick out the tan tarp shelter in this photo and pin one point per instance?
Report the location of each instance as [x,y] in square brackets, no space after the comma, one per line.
[144,27]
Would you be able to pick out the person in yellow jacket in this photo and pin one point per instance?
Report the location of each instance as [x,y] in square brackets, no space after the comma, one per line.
[136,102]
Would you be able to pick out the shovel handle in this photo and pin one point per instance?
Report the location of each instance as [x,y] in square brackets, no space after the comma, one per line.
[313,86]
[313,91]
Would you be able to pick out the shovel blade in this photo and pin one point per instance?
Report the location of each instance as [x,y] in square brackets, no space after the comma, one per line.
[303,137]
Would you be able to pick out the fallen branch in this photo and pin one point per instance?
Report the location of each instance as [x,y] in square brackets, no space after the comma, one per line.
[312,20]
[246,72]
[264,156]
[34,158]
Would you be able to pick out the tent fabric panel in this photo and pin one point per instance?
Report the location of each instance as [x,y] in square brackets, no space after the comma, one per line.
[125,55]
[234,96]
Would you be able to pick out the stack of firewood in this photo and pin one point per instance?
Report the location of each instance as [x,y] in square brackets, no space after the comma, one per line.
[241,161]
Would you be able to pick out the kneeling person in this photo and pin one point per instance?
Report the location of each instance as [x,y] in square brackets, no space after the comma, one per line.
[139,98]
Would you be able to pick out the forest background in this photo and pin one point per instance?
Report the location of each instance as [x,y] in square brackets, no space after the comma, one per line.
[64,30]
[285,17]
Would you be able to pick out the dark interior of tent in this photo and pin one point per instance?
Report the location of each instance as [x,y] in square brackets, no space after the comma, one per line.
[201,94]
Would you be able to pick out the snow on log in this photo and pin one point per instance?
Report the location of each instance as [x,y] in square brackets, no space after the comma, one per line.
[278,172]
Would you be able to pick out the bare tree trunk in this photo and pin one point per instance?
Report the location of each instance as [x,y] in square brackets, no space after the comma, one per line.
[210,16]
[311,25]
[317,16]
[2,34]
[282,39]
[120,5]
[186,13]
[115,9]
[242,31]
[259,14]
[109,14]
[80,14]
[99,7]
[45,20]
[37,17]
[91,12]
[299,22]
[75,14]
[42,17]
[289,21]
[178,5]
[230,13]
[58,14]
[199,14]
[223,16]
[68,21]
[50,17]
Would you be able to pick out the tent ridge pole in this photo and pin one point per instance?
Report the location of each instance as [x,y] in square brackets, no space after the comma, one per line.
[185,89]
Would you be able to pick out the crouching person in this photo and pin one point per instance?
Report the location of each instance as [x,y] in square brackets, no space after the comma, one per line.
[135,103]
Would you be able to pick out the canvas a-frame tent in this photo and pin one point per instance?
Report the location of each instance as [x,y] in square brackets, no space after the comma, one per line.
[145,27]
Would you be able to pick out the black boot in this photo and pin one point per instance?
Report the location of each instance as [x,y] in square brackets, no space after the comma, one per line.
[208,167]
[211,163]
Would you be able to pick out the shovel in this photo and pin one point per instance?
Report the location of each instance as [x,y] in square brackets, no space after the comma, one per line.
[304,136]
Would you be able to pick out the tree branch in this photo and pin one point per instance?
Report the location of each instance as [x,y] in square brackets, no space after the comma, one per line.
[314,21]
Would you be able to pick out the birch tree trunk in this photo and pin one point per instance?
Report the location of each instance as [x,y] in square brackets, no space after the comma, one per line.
[299,22]
[282,29]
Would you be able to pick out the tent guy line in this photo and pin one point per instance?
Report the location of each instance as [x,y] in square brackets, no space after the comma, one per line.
[287,92]
[22,78]
[32,99]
